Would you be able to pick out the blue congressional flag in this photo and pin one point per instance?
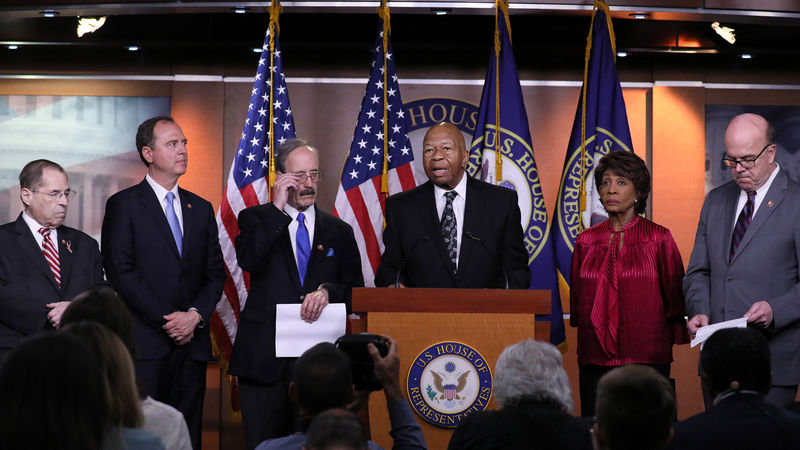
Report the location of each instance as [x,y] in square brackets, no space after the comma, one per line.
[503,124]
[248,182]
[360,199]
[602,125]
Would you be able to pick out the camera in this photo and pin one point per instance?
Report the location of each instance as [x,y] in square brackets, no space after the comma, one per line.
[355,346]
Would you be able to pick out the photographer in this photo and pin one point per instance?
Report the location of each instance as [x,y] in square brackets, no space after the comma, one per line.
[324,380]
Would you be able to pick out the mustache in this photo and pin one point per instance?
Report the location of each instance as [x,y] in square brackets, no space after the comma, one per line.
[307,192]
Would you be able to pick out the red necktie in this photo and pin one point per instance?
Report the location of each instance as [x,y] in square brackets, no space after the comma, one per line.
[50,254]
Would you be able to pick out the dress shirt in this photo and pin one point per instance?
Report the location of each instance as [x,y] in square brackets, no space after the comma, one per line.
[161,194]
[311,220]
[459,203]
[36,226]
[760,194]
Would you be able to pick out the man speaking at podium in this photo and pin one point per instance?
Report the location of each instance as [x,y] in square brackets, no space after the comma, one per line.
[453,231]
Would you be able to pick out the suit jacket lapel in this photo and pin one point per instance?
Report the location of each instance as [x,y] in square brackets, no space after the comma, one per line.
[188,215]
[151,204]
[727,213]
[472,215]
[770,202]
[427,210]
[32,249]
[319,244]
[65,255]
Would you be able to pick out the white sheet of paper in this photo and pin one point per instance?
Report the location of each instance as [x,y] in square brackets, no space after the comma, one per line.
[705,332]
[293,336]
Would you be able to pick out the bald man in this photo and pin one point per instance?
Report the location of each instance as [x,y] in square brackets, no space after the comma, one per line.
[746,251]
[453,231]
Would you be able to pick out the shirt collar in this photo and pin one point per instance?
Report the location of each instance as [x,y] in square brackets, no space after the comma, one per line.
[461,188]
[161,193]
[762,191]
[32,223]
[309,213]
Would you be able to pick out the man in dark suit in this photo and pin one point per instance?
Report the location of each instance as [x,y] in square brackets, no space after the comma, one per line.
[295,253]
[453,231]
[735,365]
[163,257]
[747,249]
[43,264]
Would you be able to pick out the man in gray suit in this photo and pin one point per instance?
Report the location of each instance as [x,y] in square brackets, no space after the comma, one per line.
[746,251]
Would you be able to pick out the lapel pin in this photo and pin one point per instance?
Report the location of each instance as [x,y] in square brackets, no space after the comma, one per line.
[319,247]
[769,204]
[68,244]
[189,205]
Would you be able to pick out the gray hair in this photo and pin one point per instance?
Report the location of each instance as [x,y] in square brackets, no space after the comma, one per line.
[531,371]
[288,146]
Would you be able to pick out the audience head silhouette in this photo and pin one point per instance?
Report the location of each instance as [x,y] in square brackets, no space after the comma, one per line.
[52,396]
[635,409]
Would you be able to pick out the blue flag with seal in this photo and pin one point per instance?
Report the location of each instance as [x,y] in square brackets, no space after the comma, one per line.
[502,153]
[600,127]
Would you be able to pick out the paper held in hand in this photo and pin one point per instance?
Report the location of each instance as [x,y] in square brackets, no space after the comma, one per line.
[703,333]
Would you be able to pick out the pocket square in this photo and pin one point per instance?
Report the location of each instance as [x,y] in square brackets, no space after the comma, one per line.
[330,253]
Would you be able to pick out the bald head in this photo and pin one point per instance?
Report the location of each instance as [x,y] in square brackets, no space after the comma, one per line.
[444,155]
[750,137]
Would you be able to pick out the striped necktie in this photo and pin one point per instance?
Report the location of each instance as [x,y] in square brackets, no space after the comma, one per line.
[742,223]
[51,254]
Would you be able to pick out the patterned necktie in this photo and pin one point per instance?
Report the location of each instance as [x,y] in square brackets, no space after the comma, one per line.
[449,231]
[174,224]
[742,223]
[303,246]
[50,254]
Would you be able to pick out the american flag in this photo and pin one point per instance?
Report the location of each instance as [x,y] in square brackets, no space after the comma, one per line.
[359,200]
[248,186]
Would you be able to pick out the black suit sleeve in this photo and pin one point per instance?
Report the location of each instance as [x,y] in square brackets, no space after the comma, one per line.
[392,258]
[515,257]
[348,271]
[214,278]
[20,309]
[260,228]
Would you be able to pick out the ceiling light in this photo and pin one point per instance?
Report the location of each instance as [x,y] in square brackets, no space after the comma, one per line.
[440,11]
[622,54]
[257,49]
[639,15]
[746,56]
[49,13]
[89,25]
[726,33]
[239,10]
[13,47]
[133,48]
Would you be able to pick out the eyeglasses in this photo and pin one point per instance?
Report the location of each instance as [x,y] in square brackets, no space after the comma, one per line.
[303,176]
[746,163]
[69,194]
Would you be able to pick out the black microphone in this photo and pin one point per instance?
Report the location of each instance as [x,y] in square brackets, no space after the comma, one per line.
[469,235]
[403,264]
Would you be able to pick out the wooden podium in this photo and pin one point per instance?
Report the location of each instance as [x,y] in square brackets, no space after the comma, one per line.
[487,320]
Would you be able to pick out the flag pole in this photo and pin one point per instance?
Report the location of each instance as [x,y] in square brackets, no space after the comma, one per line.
[383,12]
[498,156]
[274,27]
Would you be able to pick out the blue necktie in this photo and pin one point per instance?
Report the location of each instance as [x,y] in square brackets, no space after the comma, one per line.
[303,246]
[174,224]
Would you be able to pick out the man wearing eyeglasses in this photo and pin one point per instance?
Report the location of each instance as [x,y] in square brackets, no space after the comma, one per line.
[43,263]
[746,252]
[295,253]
